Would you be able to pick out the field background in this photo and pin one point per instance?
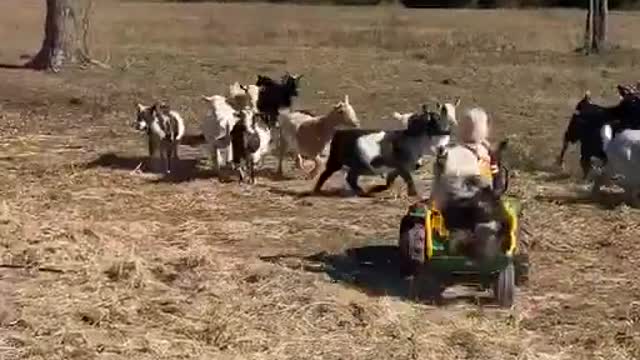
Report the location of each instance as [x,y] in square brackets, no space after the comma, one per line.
[199,269]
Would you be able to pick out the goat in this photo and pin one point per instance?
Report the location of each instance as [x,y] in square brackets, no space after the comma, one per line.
[164,128]
[309,136]
[250,138]
[391,152]
[623,160]
[274,96]
[585,125]
[216,127]
[242,96]
[447,111]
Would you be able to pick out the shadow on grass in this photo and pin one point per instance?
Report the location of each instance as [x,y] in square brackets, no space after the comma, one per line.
[192,140]
[605,201]
[13,67]
[374,270]
[184,170]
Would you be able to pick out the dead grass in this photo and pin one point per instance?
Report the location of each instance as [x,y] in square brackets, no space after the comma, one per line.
[202,269]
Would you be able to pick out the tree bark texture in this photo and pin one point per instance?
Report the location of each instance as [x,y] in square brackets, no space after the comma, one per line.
[60,44]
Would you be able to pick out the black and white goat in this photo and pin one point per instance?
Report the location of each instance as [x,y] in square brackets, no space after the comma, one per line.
[623,161]
[587,120]
[164,129]
[250,139]
[274,95]
[391,152]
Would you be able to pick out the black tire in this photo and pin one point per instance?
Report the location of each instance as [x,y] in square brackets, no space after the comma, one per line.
[505,286]
[430,287]
[406,264]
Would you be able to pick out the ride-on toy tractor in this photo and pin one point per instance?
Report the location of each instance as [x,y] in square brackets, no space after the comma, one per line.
[424,250]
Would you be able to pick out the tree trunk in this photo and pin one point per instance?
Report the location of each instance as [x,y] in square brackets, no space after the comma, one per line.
[595,38]
[601,24]
[588,28]
[60,44]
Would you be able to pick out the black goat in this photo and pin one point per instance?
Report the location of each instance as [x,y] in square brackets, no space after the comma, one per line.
[584,127]
[274,96]
[394,152]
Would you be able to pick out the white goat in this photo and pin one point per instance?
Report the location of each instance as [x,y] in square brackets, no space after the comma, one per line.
[216,127]
[164,128]
[309,136]
[623,161]
[242,96]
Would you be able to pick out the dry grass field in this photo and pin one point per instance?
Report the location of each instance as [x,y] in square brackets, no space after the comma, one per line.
[134,267]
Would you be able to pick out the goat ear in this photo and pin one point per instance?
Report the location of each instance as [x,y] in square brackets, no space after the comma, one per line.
[140,107]
[207,98]
[424,108]
[456,102]
[244,88]
[587,95]
[346,99]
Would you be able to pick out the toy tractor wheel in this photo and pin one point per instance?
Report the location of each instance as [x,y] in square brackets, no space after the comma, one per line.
[505,285]
[427,286]
[408,266]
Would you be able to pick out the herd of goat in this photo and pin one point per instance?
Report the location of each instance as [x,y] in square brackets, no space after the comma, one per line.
[245,123]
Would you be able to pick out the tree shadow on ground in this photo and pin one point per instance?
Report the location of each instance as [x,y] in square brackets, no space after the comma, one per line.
[374,270]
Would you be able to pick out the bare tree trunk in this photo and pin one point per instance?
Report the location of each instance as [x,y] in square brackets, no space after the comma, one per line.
[603,14]
[588,28]
[66,31]
[595,39]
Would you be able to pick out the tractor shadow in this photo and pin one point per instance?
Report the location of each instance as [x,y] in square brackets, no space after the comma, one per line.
[373,270]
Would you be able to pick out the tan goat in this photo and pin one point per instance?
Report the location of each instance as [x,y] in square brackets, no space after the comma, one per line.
[308,136]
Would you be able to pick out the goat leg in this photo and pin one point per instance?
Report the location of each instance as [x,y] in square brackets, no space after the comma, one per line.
[281,151]
[163,156]
[316,168]
[352,180]
[560,159]
[168,156]
[240,173]
[411,186]
[585,165]
[215,158]
[252,175]
[391,178]
[326,174]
